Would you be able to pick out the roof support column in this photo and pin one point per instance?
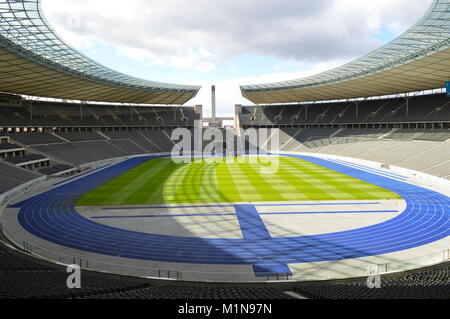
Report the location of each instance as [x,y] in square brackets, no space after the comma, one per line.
[407,106]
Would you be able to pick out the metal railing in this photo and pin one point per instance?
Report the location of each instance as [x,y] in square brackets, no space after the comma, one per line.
[178,274]
[415,263]
[141,271]
[279,276]
[338,269]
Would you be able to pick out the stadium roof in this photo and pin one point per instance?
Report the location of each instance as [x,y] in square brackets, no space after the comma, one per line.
[417,60]
[35,61]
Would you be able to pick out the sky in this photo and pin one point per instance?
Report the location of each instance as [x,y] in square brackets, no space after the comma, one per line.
[227,42]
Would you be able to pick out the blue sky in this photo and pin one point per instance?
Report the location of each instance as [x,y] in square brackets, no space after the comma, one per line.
[228,43]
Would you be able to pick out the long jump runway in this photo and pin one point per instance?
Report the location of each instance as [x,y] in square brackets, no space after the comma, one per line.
[52,216]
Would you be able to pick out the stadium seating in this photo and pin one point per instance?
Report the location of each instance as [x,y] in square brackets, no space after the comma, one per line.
[136,137]
[425,135]
[86,147]
[22,276]
[9,146]
[428,283]
[26,158]
[160,138]
[69,153]
[48,114]
[198,291]
[76,137]
[12,177]
[58,168]
[427,108]
[424,150]
[35,138]
[419,149]
[128,146]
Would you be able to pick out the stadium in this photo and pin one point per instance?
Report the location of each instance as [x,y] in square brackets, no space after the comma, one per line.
[332,186]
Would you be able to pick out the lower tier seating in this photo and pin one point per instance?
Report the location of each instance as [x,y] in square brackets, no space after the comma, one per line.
[24,277]
[12,177]
[428,283]
[55,169]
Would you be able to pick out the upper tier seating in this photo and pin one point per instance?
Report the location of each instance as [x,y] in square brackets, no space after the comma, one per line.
[427,108]
[26,158]
[9,146]
[35,138]
[84,136]
[47,114]
[425,135]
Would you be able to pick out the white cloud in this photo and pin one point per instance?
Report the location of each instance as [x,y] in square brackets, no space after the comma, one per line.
[201,59]
[228,92]
[201,35]
[300,30]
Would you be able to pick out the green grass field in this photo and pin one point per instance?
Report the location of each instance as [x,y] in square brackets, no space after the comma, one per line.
[160,181]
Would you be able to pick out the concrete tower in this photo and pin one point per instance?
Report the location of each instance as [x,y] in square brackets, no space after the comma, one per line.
[213,104]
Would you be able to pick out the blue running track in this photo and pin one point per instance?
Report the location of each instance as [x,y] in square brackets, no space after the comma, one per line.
[52,216]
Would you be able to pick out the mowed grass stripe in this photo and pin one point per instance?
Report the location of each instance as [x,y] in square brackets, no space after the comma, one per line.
[244,185]
[225,184]
[261,183]
[209,191]
[304,189]
[278,181]
[152,192]
[195,184]
[316,188]
[117,191]
[189,190]
[161,181]
[142,177]
[233,184]
[172,184]
[341,185]
[189,186]
[345,184]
